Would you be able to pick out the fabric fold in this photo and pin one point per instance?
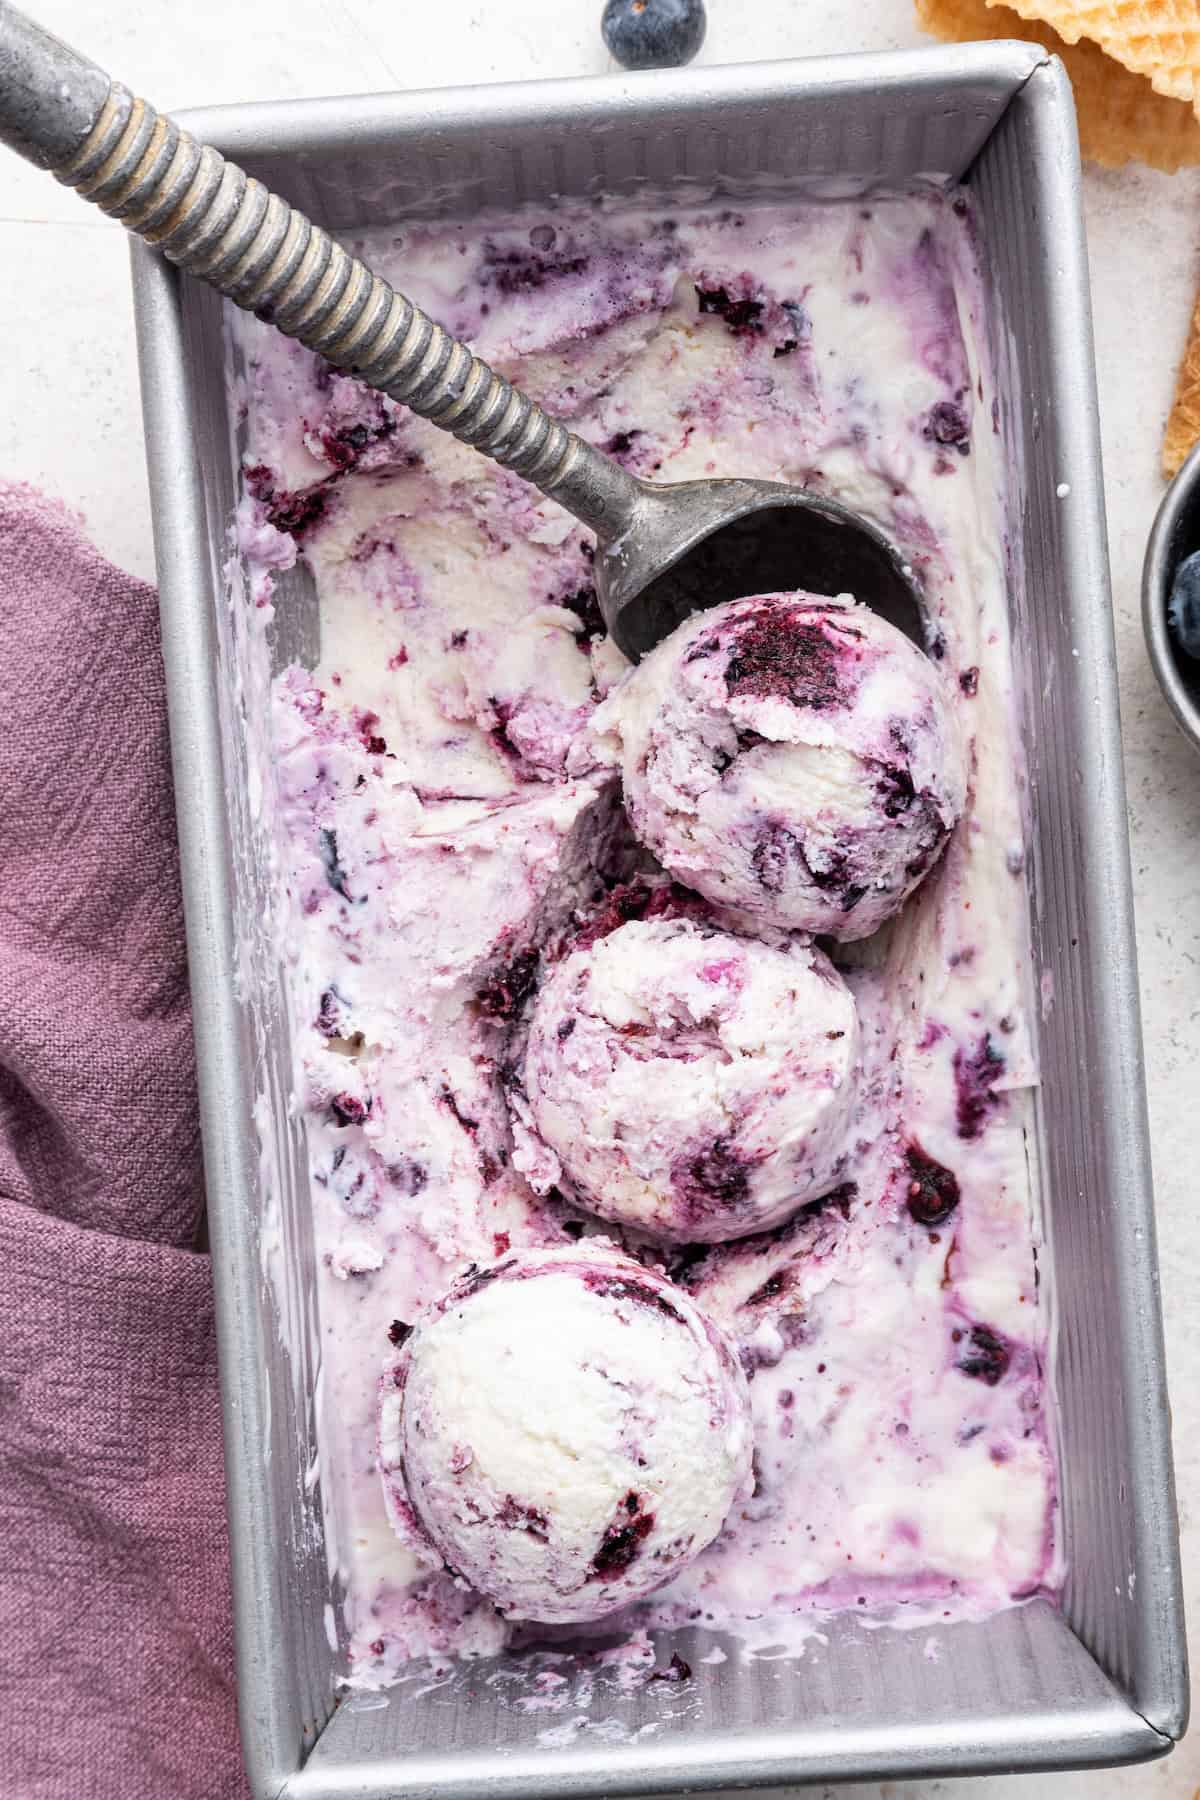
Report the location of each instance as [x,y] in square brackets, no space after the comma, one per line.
[117,1659]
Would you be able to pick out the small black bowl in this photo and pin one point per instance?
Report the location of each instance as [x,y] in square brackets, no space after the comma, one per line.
[1174,535]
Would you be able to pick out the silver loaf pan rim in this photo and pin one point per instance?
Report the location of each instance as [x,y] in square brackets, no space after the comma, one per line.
[1103,1682]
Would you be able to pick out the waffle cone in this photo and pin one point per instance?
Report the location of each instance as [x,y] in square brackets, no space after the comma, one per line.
[1122,117]
[1183,425]
[1159,39]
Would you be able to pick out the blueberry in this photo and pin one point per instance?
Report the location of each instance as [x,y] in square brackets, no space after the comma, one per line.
[653,34]
[1183,608]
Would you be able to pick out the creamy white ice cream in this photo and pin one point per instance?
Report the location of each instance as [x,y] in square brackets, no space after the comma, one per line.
[793,756]
[697,1085]
[566,1430]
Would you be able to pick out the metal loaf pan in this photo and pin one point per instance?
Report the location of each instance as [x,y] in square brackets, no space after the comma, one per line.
[1102,1681]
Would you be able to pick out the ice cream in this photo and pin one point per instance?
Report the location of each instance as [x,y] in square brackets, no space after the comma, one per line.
[422,665]
[693,1084]
[793,756]
[565,1430]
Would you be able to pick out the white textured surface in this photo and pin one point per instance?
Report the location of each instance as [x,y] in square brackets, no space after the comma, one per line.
[69,421]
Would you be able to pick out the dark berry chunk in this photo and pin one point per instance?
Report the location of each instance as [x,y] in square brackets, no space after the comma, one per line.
[932,1192]
[344,446]
[832,876]
[490,1167]
[946,423]
[366,724]
[770,856]
[638,899]
[775,652]
[517,1517]
[976,1073]
[293,513]
[450,1101]
[503,996]
[624,1287]
[968,681]
[408,1177]
[473,1278]
[653,34]
[743,317]
[717,1173]
[772,1288]
[328,1013]
[335,874]
[676,1670]
[399,1332]
[348,1109]
[584,604]
[513,272]
[623,1539]
[799,323]
[841,1199]
[896,789]
[986,1357]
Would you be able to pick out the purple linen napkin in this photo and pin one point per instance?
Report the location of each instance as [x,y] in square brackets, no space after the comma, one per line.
[116,1657]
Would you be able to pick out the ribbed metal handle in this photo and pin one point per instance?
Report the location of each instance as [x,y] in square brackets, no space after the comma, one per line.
[212,219]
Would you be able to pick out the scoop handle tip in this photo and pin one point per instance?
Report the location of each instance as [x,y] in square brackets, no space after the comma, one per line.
[50,96]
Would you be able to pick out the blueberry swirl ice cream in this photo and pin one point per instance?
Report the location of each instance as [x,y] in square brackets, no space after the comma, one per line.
[793,756]
[694,1084]
[486,847]
[566,1430]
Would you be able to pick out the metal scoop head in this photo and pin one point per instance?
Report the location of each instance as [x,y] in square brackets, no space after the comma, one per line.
[698,543]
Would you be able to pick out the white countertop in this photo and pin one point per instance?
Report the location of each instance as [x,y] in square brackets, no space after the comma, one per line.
[70,423]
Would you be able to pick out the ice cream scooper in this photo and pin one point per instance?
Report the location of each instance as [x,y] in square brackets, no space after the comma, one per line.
[664,550]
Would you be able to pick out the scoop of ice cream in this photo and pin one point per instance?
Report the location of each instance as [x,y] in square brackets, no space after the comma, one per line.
[793,756]
[695,1084]
[566,1429]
